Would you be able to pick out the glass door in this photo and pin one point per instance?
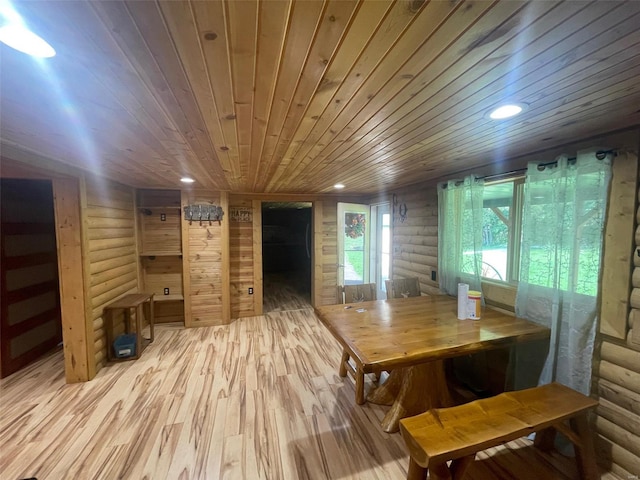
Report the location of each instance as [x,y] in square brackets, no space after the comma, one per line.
[353,243]
[381,247]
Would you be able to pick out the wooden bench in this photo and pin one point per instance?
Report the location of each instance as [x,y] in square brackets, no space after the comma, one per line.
[458,433]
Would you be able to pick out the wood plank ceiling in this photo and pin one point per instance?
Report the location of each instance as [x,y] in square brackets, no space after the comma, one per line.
[294,96]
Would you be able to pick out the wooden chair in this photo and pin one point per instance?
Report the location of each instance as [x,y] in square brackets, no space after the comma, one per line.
[355,294]
[457,433]
[403,287]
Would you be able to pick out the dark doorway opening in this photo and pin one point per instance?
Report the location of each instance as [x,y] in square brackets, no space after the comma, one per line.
[286,255]
[30,324]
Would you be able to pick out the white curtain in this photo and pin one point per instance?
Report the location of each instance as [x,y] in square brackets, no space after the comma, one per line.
[460,233]
[562,230]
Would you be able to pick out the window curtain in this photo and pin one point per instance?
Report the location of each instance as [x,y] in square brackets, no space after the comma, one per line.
[460,234]
[562,232]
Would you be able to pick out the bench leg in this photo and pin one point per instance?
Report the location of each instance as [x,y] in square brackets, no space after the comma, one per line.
[343,364]
[416,472]
[459,466]
[545,439]
[359,386]
[585,453]
[439,472]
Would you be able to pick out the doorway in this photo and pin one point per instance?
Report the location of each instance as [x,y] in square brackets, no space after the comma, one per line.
[30,300]
[286,255]
[364,245]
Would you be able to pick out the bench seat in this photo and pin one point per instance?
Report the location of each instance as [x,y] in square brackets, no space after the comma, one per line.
[458,433]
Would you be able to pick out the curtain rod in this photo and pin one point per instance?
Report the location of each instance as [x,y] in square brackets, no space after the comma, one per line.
[600,155]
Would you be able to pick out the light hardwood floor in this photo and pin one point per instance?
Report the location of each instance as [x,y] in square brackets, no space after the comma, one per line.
[257,399]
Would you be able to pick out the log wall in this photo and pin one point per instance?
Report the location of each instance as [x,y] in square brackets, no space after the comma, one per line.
[108,212]
[617,363]
[415,237]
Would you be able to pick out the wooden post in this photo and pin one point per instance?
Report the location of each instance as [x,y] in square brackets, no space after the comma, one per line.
[316,277]
[225,276]
[618,246]
[66,195]
[186,265]
[258,287]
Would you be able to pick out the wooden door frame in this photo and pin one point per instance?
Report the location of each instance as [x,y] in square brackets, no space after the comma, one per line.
[77,327]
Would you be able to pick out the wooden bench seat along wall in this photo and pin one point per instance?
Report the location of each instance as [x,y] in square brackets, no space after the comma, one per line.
[354,294]
[457,433]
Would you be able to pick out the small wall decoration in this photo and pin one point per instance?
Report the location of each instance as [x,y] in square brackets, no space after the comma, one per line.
[355,224]
[208,213]
[241,214]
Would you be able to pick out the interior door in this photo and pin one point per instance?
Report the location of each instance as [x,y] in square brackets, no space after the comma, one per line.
[353,243]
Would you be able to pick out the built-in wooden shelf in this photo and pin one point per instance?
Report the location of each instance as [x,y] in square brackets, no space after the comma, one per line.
[169,298]
[158,207]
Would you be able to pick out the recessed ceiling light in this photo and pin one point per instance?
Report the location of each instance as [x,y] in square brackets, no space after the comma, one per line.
[187,180]
[338,186]
[506,111]
[24,40]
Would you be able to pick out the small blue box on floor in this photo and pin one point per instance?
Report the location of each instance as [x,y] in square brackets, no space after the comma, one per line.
[125,345]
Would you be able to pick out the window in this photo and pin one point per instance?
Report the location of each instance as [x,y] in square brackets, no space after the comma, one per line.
[503,205]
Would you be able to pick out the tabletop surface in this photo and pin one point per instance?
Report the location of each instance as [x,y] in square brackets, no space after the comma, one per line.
[406,331]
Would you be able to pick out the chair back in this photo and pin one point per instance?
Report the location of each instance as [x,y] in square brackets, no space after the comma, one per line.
[403,287]
[356,293]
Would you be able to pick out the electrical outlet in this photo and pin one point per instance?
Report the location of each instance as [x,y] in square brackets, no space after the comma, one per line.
[250,290]
[166,291]
[163,217]
[433,275]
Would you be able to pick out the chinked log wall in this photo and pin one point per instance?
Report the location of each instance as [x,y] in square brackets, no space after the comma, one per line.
[617,372]
[110,240]
[415,238]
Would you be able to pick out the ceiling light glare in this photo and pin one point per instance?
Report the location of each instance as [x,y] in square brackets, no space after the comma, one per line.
[506,111]
[338,186]
[187,180]
[25,41]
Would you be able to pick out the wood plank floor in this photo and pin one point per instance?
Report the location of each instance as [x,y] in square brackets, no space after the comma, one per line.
[286,291]
[257,399]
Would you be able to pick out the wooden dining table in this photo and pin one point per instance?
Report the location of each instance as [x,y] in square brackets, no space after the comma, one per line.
[411,338]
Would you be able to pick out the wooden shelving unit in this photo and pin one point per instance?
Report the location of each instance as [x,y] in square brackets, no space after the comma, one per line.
[160,251]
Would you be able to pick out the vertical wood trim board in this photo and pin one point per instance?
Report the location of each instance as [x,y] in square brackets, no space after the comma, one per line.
[66,196]
[91,346]
[258,285]
[618,246]
[225,277]
[186,274]
[316,277]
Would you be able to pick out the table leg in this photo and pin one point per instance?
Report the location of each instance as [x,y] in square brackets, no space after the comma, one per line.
[386,393]
[423,387]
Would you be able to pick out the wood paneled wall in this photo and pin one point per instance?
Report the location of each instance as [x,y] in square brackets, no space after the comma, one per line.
[241,267]
[415,238]
[617,372]
[325,245]
[205,250]
[110,245]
